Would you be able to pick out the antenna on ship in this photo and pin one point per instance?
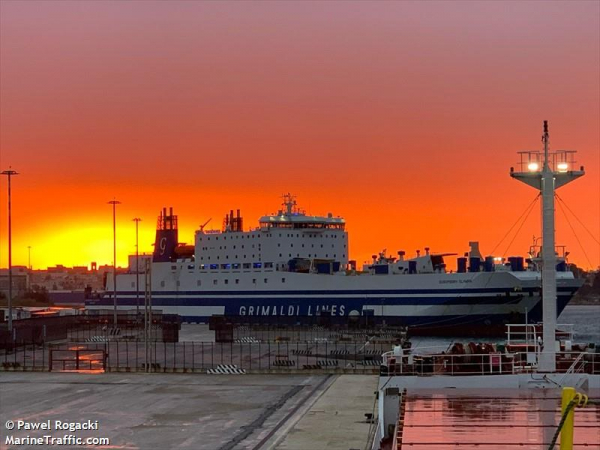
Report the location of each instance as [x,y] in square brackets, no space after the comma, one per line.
[556,170]
[289,204]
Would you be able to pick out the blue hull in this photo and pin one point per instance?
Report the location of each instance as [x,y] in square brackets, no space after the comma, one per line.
[262,307]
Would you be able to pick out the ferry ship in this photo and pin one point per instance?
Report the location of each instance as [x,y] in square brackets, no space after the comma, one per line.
[295,268]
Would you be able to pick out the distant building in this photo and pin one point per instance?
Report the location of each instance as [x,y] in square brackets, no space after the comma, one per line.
[20,281]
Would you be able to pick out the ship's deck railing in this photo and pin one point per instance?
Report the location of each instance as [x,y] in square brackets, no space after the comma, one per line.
[495,363]
[530,334]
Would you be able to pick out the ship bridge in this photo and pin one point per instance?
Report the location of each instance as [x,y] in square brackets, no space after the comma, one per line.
[290,216]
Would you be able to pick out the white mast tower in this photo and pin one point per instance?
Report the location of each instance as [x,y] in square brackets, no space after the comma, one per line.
[547,172]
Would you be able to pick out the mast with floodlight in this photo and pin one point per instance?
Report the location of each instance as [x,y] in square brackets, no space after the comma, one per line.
[547,171]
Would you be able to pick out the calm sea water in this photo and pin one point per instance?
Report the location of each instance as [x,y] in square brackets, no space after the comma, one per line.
[585,318]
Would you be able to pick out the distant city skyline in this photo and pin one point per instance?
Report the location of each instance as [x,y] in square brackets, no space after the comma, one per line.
[402,117]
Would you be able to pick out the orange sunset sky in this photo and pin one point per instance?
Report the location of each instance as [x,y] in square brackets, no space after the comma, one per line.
[402,117]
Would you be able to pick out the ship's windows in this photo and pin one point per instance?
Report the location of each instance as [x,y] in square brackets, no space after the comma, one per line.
[235,266]
[217,238]
[266,280]
[312,245]
[292,245]
[283,280]
[162,284]
[252,245]
[234,246]
[268,265]
[246,265]
[326,255]
[237,281]
[252,256]
[257,265]
[178,283]
[280,234]
[198,283]
[280,255]
[224,238]
[343,256]
[253,280]
[302,245]
[225,266]
[278,245]
[290,255]
[209,239]
[321,245]
[214,281]
[242,246]
[226,281]
[173,267]
[214,266]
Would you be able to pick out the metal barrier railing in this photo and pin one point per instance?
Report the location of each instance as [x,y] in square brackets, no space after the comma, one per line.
[279,357]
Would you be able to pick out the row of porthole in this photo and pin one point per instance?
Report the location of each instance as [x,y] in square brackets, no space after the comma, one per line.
[310,255]
[215,282]
[333,236]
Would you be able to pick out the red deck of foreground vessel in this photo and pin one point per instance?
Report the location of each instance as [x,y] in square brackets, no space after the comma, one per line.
[498,419]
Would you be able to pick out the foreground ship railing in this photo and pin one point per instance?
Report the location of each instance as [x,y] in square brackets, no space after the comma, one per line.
[484,364]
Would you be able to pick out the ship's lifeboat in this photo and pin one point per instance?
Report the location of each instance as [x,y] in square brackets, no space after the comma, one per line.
[184,251]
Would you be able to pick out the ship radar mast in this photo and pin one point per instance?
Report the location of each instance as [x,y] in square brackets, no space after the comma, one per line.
[290,206]
[547,171]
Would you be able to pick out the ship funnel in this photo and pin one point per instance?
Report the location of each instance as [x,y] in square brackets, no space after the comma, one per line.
[166,237]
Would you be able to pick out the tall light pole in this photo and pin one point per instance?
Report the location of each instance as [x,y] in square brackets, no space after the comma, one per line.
[114,204]
[9,173]
[137,221]
[29,249]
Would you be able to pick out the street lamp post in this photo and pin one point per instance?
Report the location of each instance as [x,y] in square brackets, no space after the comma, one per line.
[114,204]
[137,221]
[29,248]
[9,173]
